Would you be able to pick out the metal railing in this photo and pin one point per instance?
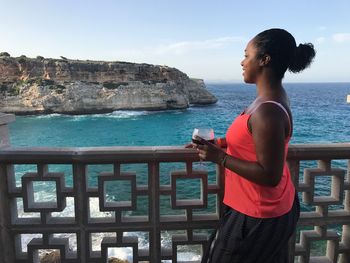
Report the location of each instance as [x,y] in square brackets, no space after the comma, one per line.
[163,178]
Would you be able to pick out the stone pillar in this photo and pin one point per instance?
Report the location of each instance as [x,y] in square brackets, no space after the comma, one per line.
[4,130]
[7,252]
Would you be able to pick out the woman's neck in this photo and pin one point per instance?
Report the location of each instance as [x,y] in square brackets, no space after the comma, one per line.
[269,88]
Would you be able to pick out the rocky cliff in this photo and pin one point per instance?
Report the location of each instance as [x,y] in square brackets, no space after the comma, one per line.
[40,85]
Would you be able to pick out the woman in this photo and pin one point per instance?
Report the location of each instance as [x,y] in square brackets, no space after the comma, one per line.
[261,204]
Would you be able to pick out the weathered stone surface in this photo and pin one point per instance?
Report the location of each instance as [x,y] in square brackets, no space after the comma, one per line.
[35,86]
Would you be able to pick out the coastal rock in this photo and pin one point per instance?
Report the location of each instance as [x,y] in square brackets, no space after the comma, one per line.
[37,86]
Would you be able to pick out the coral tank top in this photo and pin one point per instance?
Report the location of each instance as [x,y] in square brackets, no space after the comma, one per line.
[245,196]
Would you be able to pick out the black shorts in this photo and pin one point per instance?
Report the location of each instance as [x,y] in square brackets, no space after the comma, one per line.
[244,239]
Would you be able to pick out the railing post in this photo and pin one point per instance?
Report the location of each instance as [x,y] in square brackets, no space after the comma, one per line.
[7,252]
[5,119]
[154,239]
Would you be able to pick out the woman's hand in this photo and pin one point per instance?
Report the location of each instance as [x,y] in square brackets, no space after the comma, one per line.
[190,146]
[208,151]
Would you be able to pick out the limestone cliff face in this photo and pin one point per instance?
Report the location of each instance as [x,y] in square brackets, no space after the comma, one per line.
[34,86]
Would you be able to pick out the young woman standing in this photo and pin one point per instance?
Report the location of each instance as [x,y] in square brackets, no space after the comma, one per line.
[261,204]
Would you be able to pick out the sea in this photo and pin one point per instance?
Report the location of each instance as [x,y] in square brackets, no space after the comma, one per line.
[320,113]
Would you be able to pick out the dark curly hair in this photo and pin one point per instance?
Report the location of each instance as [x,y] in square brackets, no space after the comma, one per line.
[280,45]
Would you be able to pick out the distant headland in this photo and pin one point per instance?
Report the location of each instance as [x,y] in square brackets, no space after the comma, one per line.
[45,85]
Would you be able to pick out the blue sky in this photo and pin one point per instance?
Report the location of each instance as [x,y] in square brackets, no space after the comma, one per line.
[205,39]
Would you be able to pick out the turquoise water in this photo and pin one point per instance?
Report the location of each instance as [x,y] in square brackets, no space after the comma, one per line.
[320,114]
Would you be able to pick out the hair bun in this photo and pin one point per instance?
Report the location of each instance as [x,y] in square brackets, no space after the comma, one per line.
[304,55]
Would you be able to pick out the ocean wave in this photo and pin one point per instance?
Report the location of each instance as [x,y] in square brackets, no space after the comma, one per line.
[47,116]
[120,114]
[127,114]
[132,114]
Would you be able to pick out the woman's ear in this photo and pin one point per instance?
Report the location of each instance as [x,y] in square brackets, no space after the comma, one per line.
[265,60]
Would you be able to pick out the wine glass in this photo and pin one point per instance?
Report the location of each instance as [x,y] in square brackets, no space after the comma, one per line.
[205,133]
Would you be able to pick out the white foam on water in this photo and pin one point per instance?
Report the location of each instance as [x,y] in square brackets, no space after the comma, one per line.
[188,256]
[47,116]
[113,115]
[130,114]
[119,114]
[121,253]
[127,114]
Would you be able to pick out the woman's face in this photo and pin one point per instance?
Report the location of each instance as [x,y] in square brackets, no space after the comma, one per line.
[250,63]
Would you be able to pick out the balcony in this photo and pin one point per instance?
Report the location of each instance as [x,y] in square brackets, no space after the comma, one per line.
[69,223]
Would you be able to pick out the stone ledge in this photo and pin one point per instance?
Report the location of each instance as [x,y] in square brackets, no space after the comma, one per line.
[6,118]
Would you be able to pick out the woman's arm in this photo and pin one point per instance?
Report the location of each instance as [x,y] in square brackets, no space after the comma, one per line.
[268,130]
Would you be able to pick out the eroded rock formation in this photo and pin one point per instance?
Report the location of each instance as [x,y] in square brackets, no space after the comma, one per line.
[40,85]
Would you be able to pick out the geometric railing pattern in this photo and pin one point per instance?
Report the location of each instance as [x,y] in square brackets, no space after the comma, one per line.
[156,203]
[324,189]
[30,224]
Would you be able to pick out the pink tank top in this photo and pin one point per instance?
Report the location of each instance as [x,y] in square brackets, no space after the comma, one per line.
[245,196]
